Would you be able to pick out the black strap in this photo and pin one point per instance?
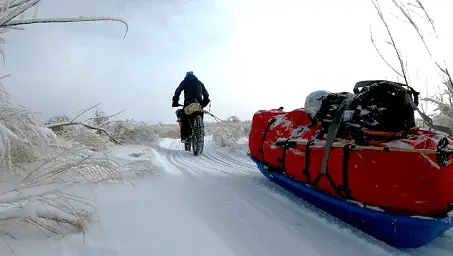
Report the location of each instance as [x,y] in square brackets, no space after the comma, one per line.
[341,190]
[333,130]
[360,84]
[287,144]
[331,134]
[264,137]
[431,124]
[345,187]
[443,153]
[330,179]
[305,171]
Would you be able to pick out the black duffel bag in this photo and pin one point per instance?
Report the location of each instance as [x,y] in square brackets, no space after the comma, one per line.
[378,109]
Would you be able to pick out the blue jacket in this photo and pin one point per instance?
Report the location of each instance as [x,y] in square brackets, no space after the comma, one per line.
[193,89]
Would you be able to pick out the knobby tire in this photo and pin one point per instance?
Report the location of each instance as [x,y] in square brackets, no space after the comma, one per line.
[197,135]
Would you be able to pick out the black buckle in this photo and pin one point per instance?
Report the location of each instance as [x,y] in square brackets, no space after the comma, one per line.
[443,153]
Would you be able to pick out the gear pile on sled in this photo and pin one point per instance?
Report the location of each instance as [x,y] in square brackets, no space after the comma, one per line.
[362,147]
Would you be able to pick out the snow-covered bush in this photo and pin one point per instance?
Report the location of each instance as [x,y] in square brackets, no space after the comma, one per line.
[78,133]
[228,133]
[234,119]
[169,132]
[101,131]
[133,132]
[443,107]
[38,167]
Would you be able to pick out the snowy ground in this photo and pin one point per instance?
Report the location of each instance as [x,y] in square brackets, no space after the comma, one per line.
[216,204]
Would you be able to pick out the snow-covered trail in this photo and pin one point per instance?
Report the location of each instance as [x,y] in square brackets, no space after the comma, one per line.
[214,204]
[253,216]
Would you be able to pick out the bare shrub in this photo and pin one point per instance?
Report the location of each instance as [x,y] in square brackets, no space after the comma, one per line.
[78,134]
[40,168]
[414,14]
[228,133]
[133,132]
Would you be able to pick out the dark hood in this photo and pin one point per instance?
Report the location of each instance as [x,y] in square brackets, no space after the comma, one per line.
[190,77]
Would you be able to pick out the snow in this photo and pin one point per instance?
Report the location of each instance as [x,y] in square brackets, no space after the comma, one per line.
[374,208]
[422,217]
[433,164]
[216,204]
[399,144]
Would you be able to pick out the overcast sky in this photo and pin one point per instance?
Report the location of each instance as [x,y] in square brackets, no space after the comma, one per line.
[250,54]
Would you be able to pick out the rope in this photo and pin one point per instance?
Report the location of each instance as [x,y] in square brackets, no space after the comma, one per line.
[375,148]
[220,121]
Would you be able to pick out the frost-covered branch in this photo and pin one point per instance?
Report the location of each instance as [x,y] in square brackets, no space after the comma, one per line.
[118,131]
[39,168]
[11,9]
[380,54]
[392,43]
[59,125]
[64,20]
[106,119]
[410,10]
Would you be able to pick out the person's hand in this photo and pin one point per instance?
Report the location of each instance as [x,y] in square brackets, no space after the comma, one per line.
[206,102]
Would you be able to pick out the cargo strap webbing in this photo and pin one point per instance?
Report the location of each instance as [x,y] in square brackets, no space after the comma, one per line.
[307,162]
[331,134]
[341,190]
[272,121]
[287,144]
[345,186]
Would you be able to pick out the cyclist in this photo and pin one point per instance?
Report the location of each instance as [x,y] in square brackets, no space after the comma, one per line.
[194,91]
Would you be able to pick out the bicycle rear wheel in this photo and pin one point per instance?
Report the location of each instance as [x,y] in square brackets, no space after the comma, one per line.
[197,135]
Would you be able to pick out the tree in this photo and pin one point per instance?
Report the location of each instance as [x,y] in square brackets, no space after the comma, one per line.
[234,119]
[414,13]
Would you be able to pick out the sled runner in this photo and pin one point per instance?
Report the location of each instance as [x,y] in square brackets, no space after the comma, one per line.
[362,147]
[398,230]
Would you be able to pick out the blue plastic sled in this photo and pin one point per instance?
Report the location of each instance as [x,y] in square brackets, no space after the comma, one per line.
[394,229]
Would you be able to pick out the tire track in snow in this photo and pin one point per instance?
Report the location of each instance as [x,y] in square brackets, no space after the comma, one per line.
[186,160]
[206,164]
[216,155]
[238,162]
[232,194]
[242,206]
[175,157]
[191,165]
[213,161]
[212,158]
